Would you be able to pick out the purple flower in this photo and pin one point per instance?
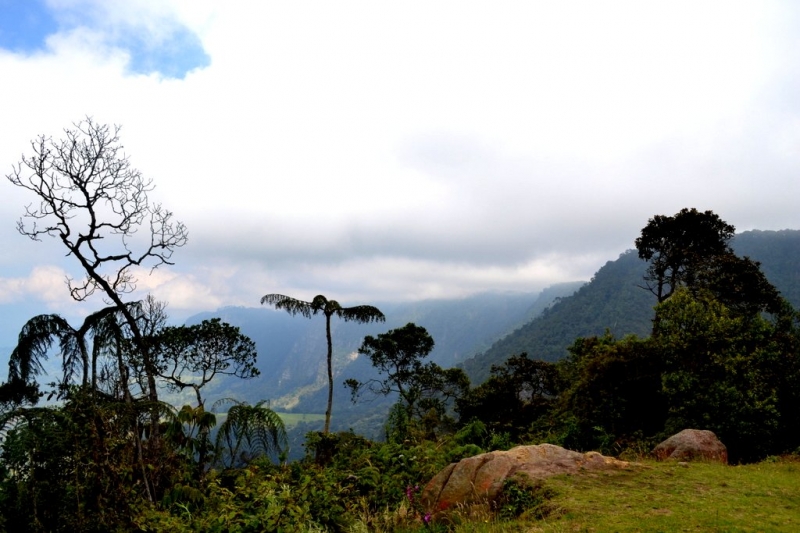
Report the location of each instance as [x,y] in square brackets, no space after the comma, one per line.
[427,518]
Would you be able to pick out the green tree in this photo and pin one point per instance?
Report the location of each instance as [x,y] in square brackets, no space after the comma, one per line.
[739,284]
[72,467]
[677,247]
[79,348]
[612,392]
[519,392]
[423,388]
[192,356]
[361,314]
[723,372]
[248,432]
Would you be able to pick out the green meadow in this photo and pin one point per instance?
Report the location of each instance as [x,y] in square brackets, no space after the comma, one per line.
[667,497]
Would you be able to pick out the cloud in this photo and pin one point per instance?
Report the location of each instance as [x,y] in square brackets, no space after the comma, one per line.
[150,36]
[45,283]
[416,149]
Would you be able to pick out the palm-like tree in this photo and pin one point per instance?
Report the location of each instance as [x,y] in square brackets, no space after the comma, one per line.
[361,314]
[41,331]
[250,431]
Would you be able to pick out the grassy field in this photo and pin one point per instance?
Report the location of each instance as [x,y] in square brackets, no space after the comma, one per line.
[670,497]
[292,419]
[289,419]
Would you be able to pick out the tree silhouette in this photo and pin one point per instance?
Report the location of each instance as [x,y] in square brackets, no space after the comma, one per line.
[41,331]
[92,200]
[679,247]
[361,314]
[191,356]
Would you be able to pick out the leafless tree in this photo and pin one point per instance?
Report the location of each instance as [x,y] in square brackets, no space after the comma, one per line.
[91,199]
[96,204]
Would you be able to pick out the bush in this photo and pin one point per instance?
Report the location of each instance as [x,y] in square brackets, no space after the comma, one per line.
[521,495]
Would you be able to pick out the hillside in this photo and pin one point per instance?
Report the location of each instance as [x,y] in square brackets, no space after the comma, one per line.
[613,300]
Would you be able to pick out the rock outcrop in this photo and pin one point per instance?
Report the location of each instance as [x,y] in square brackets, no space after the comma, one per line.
[480,478]
[692,444]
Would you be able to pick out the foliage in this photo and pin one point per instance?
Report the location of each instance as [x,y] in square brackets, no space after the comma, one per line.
[362,480]
[188,431]
[777,252]
[191,356]
[519,392]
[678,247]
[80,349]
[721,372]
[692,250]
[250,432]
[612,393]
[73,468]
[425,389]
[361,314]
[739,284]
[522,495]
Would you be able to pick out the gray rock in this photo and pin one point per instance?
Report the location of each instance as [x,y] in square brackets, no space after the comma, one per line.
[692,444]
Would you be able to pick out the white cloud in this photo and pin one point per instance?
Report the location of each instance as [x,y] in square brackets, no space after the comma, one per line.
[46,283]
[419,149]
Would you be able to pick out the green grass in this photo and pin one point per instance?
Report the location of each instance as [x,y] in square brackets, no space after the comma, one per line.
[292,419]
[289,419]
[670,497]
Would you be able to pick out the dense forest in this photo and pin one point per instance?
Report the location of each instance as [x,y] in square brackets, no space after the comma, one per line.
[100,449]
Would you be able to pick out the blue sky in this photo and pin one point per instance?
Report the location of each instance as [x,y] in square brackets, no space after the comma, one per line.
[172,51]
[374,151]
[25,24]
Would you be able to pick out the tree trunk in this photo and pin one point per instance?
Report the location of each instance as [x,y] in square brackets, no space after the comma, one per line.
[330,375]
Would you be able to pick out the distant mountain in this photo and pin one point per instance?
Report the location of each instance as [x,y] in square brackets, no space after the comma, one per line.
[614,300]
[779,254]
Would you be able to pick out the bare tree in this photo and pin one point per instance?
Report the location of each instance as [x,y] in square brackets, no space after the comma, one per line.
[95,203]
[361,314]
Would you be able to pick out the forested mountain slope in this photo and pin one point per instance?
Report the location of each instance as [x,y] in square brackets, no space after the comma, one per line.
[614,300]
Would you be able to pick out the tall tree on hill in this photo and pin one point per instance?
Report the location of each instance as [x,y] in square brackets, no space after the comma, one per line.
[691,250]
[679,247]
[361,314]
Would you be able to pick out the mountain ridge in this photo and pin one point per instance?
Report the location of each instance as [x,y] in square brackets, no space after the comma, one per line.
[614,300]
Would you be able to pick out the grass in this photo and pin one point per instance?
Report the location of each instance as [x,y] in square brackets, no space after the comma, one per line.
[669,497]
[289,419]
[292,419]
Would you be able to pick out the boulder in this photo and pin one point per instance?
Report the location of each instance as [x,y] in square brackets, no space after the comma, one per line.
[692,444]
[480,478]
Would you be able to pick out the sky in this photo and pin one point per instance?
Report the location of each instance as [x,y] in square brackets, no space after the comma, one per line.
[384,151]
